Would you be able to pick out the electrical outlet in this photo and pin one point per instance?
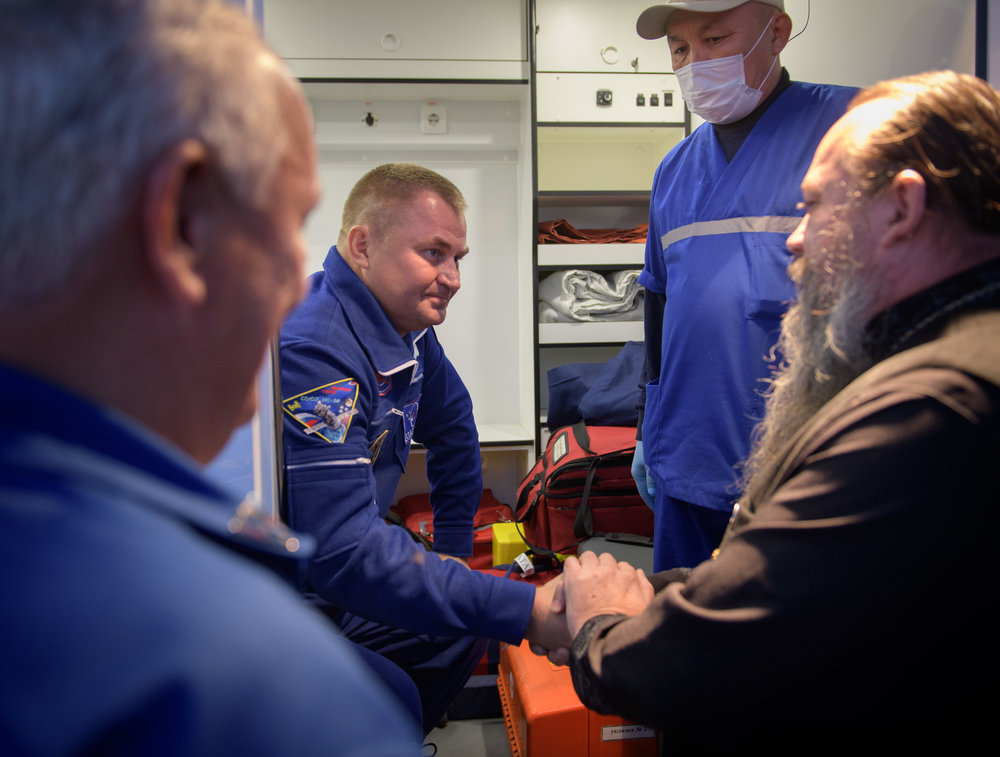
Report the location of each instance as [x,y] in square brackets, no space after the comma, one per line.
[433,119]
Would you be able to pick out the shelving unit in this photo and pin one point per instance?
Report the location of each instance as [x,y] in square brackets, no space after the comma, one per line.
[583,342]
[606,110]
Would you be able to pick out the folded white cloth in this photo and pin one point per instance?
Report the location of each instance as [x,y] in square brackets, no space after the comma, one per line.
[580,295]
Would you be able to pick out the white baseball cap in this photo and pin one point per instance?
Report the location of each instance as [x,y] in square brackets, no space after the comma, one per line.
[652,23]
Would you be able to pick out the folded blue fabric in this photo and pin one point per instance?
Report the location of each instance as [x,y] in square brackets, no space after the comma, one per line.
[601,394]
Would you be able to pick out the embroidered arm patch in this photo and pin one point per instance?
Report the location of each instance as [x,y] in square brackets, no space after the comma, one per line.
[326,411]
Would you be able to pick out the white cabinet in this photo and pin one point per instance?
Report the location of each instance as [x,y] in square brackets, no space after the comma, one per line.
[400,39]
[596,36]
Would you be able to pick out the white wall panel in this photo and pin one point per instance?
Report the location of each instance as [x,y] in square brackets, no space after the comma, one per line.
[860,42]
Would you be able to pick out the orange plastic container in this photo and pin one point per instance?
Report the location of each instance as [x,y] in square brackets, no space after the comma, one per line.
[545,717]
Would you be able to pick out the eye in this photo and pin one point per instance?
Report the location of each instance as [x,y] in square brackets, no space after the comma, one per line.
[808,204]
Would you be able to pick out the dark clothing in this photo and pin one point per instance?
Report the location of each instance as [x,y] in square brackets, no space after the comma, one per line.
[848,608]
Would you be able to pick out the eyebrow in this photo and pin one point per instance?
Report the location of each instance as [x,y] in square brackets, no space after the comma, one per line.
[716,25]
[442,242]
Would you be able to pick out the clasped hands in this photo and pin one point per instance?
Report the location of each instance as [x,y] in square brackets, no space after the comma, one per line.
[589,585]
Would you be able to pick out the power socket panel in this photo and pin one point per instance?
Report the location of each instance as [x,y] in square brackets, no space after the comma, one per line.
[433,119]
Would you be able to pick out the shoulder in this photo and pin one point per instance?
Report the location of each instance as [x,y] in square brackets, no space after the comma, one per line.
[928,432]
[828,99]
[677,160]
[176,640]
[318,345]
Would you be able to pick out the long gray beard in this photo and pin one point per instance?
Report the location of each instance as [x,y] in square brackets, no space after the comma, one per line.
[823,350]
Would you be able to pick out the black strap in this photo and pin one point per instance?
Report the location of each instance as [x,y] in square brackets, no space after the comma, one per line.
[583,524]
[394,519]
[582,437]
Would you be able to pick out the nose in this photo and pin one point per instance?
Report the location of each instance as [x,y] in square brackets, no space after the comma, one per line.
[449,275]
[794,241]
[697,55]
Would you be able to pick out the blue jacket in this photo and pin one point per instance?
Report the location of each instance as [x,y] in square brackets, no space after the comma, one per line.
[355,394]
[131,624]
[716,249]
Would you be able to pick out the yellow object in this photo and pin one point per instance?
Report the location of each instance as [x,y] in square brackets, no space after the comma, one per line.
[507,543]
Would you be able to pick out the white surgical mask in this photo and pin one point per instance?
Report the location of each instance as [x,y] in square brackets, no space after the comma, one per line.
[717,89]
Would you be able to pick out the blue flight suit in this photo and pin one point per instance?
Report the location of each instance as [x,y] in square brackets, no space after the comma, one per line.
[716,250]
[134,622]
[355,393]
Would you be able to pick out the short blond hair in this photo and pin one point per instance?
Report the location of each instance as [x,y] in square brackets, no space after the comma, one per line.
[374,199]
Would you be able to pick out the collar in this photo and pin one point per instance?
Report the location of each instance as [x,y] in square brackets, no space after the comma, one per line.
[60,435]
[919,318]
[732,136]
[385,349]
[32,405]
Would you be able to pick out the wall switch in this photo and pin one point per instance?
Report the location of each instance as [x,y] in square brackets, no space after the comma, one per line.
[433,119]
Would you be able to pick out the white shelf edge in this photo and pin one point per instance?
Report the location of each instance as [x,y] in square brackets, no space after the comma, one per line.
[402,69]
[626,253]
[590,332]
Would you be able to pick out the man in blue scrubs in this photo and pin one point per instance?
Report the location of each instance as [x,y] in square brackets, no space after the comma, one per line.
[157,166]
[723,201]
[363,375]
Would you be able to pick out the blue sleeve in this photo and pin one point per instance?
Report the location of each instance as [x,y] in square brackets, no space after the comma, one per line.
[445,426]
[362,564]
[654,274]
[653,278]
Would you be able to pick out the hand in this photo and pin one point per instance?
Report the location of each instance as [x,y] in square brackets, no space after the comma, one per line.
[547,633]
[601,585]
[643,481]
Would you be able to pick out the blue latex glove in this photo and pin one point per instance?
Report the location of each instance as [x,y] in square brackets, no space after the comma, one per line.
[643,481]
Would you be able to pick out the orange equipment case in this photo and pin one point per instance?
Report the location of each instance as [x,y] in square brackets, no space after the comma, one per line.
[545,717]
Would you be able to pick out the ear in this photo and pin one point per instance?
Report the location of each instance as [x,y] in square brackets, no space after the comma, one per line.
[905,206]
[173,206]
[781,28]
[359,247]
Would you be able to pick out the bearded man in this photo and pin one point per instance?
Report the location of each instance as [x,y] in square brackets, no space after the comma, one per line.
[846,609]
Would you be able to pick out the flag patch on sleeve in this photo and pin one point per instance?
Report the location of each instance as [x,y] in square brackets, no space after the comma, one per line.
[326,411]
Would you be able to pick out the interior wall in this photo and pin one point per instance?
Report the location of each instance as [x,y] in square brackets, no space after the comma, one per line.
[860,42]
[482,153]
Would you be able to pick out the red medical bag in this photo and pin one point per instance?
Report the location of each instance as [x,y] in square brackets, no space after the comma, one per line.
[580,487]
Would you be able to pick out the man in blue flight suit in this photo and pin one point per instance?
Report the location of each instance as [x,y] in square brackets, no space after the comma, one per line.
[156,171]
[363,375]
[723,202]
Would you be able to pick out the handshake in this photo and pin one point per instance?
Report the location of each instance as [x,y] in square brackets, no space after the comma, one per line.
[590,585]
